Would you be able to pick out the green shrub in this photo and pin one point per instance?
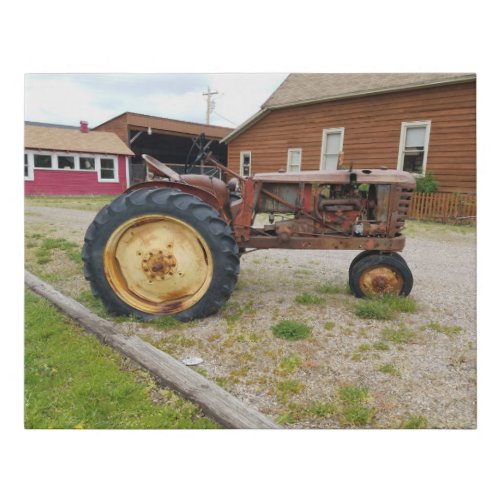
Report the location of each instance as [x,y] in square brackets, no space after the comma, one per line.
[426,183]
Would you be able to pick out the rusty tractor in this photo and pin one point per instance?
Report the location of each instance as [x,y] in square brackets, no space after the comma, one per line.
[172,245]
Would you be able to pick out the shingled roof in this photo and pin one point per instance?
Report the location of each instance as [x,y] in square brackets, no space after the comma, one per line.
[308,88]
[301,88]
[69,139]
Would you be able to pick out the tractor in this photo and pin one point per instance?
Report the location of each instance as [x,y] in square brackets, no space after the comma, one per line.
[172,245]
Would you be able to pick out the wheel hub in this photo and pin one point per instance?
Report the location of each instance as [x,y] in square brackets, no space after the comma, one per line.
[158,264]
[381,280]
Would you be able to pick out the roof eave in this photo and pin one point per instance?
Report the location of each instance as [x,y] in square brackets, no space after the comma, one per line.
[253,119]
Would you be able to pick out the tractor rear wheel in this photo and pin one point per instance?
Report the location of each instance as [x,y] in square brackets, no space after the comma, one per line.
[380,274]
[159,251]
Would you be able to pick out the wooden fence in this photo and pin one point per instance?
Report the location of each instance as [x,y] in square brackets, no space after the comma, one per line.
[452,208]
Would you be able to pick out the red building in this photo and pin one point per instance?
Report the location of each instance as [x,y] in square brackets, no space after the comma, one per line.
[70,161]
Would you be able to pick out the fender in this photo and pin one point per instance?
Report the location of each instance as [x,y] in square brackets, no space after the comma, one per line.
[200,193]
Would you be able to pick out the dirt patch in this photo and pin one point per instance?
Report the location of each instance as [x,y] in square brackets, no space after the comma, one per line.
[430,374]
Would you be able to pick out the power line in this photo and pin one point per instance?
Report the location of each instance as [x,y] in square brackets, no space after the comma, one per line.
[227,119]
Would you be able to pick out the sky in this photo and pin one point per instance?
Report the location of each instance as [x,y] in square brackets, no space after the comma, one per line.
[67,98]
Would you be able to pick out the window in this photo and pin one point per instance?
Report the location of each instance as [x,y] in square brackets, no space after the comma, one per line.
[413,146]
[28,167]
[66,162]
[294,160]
[87,163]
[107,170]
[42,161]
[333,140]
[246,163]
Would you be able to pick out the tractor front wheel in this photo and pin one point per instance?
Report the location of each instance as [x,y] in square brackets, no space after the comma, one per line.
[380,274]
[158,251]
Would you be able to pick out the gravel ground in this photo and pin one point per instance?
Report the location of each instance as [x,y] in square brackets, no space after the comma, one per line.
[433,376]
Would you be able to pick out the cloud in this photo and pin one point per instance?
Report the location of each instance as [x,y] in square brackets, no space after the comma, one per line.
[68,98]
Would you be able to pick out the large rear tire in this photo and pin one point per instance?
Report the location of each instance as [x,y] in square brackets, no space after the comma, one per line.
[157,251]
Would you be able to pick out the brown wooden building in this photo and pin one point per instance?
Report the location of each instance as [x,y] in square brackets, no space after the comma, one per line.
[163,138]
[418,122]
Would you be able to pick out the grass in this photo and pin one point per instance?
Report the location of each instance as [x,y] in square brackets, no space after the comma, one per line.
[388,369]
[446,329]
[45,253]
[307,298]
[74,382]
[384,307]
[290,364]
[92,203]
[355,411]
[400,335]
[415,422]
[291,330]
[329,288]
[287,388]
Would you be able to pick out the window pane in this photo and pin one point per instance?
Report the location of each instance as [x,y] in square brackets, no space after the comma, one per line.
[43,161]
[67,162]
[294,168]
[331,162]
[294,157]
[245,159]
[333,143]
[26,167]
[87,163]
[107,169]
[413,162]
[415,137]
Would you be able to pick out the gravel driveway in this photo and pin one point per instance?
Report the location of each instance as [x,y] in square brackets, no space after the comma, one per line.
[433,375]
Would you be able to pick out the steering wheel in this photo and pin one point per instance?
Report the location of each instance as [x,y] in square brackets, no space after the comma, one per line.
[203,150]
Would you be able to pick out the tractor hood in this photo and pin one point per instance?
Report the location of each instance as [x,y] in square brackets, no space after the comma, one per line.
[365,175]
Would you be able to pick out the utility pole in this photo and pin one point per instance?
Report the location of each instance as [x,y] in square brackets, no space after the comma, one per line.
[210,104]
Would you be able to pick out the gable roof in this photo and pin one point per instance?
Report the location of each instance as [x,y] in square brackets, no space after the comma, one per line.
[302,88]
[309,88]
[55,138]
[167,124]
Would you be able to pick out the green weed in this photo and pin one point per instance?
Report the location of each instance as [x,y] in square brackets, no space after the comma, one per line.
[291,330]
[447,330]
[307,298]
[415,422]
[388,368]
[355,410]
[329,325]
[400,335]
[290,364]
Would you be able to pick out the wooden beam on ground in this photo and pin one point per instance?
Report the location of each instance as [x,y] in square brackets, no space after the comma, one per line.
[217,403]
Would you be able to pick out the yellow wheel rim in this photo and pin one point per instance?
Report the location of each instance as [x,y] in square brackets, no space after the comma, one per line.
[158,264]
[381,280]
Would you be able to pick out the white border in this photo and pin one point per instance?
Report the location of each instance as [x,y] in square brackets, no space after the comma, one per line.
[288,165]
[241,163]
[327,131]
[404,127]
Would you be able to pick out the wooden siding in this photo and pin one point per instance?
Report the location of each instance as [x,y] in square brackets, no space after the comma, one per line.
[372,130]
[75,182]
[118,125]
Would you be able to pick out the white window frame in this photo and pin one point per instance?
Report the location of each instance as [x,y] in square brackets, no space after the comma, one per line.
[31,174]
[55,154]
[242,153]
[288,163]
[115,168]
[402,140]
[326,131]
